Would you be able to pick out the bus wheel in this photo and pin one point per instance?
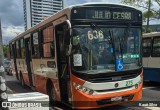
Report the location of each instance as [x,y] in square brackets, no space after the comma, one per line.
[52,94]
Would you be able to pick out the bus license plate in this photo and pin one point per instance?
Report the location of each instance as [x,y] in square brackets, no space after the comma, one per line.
[116,98]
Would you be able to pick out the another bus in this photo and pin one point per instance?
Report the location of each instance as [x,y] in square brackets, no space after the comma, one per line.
[85,56]
[151,56]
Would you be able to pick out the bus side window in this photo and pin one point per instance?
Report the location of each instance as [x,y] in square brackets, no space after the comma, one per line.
[48,43]
[22,48]
[35,46]
[11,51]
[156,47]
[18,49]
[146,47]
[52,49]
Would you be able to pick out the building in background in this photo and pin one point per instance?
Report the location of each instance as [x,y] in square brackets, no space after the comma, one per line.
[36,11]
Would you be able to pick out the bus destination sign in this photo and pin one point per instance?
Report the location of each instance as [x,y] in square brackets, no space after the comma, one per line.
[108,15]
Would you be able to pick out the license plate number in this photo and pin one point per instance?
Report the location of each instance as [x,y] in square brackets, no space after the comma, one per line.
[116,99]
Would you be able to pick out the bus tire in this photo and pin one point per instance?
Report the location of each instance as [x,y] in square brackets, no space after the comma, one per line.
[52,94]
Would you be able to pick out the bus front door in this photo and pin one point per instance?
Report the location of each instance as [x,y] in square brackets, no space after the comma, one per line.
[28,59]
[63,74]
[14,59]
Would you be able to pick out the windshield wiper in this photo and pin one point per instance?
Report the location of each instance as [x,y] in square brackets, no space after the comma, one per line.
[122,39]
[112,43]
[120,47]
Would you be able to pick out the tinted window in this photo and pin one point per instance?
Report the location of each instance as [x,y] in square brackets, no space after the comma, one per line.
[48,42]
[146,45]
[35,46]
[156,47]
[17,49]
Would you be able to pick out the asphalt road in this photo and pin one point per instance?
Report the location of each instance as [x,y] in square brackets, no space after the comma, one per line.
[151,92]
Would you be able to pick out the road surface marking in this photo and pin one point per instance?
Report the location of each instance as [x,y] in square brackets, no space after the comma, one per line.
[148,87]
[153,108]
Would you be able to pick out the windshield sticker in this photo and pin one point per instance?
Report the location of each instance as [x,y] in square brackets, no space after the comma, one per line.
[77,59]
[95,34]
[119,65]
[131,56]
[135,56]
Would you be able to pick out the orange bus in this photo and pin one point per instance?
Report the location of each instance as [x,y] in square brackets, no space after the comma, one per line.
[85,56]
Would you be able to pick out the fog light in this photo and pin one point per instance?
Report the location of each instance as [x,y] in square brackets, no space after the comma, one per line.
[90,92]
[4,95]
[3,87]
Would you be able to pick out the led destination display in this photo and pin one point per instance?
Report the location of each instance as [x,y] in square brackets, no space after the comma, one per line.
[105,13]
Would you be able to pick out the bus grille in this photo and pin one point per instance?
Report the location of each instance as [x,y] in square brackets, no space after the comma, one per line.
[109,90]
[113,78]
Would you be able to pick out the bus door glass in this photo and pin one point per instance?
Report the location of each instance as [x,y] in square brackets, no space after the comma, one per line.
[62,63]
[14,58]
[28,59]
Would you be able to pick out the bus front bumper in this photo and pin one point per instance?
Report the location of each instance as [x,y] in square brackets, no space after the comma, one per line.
[85,101]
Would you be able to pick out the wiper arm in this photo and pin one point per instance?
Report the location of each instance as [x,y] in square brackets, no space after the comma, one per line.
[112,43]
[122,39]
[111,37]
[120,47]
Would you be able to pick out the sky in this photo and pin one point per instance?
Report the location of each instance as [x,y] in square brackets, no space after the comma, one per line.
[11,13]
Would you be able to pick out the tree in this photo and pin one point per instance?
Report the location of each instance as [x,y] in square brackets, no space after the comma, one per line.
[6,50]
[150,12]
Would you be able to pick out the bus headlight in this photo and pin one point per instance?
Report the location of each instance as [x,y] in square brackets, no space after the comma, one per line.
[3,87]
[83,89]
[4,95]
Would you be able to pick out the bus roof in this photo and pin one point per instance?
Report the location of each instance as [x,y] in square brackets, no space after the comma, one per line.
[103,3]
[152,34]
[63,12]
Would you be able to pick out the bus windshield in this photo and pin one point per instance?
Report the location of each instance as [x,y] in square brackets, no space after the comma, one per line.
[96,50]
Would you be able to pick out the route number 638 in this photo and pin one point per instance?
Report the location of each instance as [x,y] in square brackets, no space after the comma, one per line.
[95,35]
